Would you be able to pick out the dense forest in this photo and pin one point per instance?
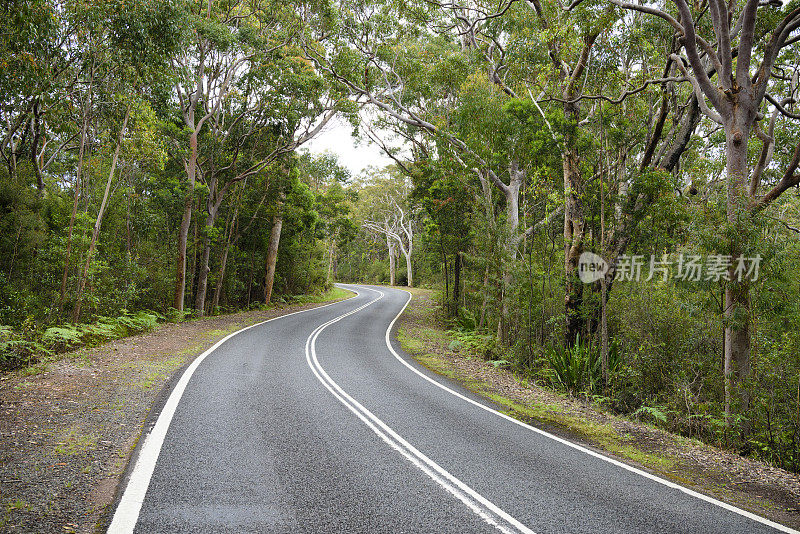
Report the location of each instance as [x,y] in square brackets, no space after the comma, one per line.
[604,193]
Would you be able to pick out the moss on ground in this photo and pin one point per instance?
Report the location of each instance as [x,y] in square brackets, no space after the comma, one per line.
[75,441]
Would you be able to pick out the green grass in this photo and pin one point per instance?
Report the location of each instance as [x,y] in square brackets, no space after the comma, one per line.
[335,293]
[156,373]
[18,504]
[74,442]
[221,332]
[409,343]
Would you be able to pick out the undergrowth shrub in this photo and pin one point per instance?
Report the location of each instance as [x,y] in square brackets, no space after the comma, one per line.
[465,337]
[579,368]
[16,351]
[19,349]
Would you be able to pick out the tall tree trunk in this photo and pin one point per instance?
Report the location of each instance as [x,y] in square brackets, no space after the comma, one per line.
[212,207]
[604,289]
[36,122]
[331,252]
[220,277]
[272,250]
[737,293]
[224,260]
[392,262]
[183,234]
[76,312]
[203,269]
[511,193]
[410,278]
[484,298]
[193,231]
[446,274]
[78,172]
[574,229]
[456,280]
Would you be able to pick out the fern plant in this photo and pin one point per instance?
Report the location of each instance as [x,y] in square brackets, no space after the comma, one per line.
[579,368]
[16,351]
[63,337]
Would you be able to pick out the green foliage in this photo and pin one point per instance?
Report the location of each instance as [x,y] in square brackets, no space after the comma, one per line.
[651,412]
[16,350]
[66,337]
[472,342]
[579,368]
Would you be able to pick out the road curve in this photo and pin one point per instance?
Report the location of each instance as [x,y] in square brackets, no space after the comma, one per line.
[316,422]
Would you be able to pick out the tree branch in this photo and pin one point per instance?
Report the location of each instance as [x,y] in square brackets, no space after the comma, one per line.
[689,42]
[698,91]
[789,179]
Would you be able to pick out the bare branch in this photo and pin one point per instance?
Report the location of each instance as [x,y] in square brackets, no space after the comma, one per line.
[713,115]
[748,22]
[690,45]
[789,179]
[764,159]
[546,221]
[781,106]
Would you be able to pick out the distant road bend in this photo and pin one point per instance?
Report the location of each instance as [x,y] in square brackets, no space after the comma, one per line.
[317,422]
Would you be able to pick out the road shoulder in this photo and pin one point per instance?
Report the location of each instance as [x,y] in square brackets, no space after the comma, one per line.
[742,482]
[68,429]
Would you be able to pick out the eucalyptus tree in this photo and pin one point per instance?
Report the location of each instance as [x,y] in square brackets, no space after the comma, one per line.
[386,212]
[60,53]
[589,74]
[413,74]
[132,59]
[36,38]
[742,68]
[232,91]
[328,179]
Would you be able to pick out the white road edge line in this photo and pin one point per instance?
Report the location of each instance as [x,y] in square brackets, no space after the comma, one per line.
[127,512]
[706,498]
[485,509]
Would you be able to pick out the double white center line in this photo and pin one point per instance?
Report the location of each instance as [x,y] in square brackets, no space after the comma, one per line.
[481,506]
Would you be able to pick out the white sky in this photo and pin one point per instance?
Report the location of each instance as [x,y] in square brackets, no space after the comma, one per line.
[337,138]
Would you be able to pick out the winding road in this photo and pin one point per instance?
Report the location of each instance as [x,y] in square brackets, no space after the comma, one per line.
[317,422]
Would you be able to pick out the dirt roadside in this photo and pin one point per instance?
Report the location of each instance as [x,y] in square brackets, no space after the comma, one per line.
[67,429]
[748,484]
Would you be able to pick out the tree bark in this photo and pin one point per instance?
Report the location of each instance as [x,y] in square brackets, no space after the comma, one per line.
[272,251]
[212,208]
[512,237]
[410,279]
[331,252]
[36,122]
[232,228]
[574,228]
[737,292]
[183,233]
[204,267]
[456,280]
[392,263]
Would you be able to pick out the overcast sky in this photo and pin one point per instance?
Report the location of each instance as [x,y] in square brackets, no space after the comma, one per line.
[336,138]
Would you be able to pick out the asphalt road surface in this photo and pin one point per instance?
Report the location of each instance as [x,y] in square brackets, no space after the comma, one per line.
[317,422]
